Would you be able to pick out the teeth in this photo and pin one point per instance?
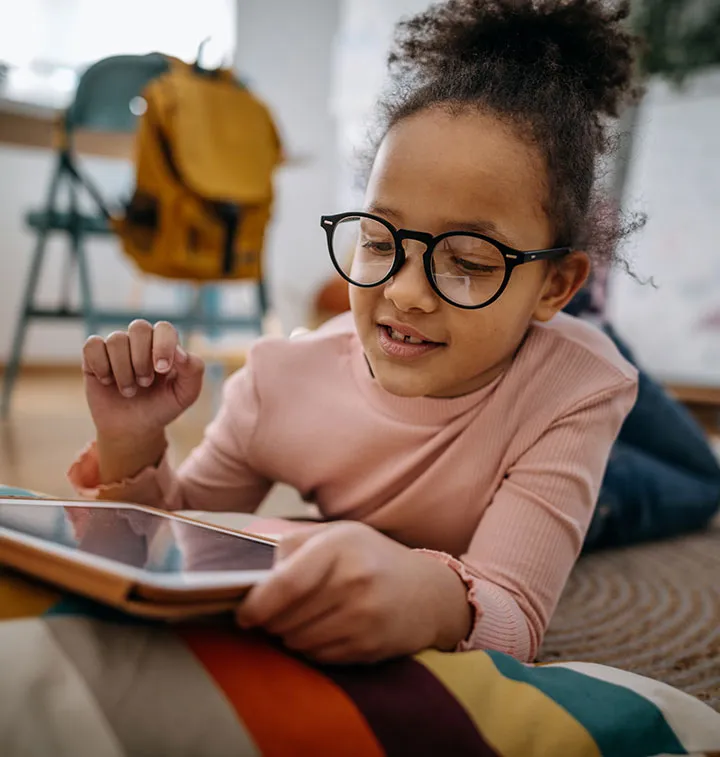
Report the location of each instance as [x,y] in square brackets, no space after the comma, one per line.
[398,337]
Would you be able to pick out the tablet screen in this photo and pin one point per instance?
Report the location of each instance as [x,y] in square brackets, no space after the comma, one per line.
[137,538]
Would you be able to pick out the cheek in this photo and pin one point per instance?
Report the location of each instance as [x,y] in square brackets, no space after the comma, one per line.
[479,344]
[477,334]
[523,294]
[493,333]
[363,303]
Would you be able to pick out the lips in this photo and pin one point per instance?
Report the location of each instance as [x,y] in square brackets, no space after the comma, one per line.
[398,344]
[400,331]
[400,337]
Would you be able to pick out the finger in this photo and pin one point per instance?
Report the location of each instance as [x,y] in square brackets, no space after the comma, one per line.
[96,361]
[296,579]
[140,334]
[302,614]
[280,595]
[352,650]
[348,651]
[324,629]
[306,558]
[118,350]
[165,341]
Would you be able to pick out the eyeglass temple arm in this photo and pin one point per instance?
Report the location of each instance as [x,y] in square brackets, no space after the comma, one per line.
[556,252]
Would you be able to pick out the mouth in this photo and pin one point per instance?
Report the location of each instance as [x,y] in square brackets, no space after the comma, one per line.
[398,343]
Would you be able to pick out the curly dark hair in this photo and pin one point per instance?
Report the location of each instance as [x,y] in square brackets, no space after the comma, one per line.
[557,71]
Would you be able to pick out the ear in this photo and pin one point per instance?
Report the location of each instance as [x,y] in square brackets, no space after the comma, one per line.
[563,281]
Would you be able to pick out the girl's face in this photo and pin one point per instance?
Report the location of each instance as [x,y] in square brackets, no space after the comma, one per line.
[437,172]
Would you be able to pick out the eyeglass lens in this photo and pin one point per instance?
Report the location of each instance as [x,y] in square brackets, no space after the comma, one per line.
[467,270]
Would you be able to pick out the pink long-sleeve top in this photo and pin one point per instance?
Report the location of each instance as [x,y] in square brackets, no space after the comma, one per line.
[500,483]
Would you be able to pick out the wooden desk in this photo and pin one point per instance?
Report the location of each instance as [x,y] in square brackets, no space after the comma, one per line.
[702,401]
[35,125]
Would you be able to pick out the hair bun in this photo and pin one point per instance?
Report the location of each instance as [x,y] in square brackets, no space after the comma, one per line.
[579,43]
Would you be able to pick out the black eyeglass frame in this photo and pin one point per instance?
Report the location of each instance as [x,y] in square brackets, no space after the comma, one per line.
[511,256]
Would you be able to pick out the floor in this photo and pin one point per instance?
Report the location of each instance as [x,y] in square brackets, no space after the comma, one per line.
[49,424]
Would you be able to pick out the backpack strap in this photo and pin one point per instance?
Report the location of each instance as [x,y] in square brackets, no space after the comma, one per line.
[231,215]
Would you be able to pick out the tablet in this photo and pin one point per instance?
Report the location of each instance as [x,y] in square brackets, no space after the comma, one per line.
[144,560]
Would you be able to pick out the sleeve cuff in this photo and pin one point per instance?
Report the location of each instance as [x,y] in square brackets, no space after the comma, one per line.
[155,485]
[472,595]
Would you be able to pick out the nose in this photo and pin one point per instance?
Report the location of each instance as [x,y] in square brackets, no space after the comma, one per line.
[409,288]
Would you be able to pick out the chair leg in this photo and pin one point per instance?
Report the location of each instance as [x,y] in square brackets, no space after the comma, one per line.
[86,300]
[262,298]
[211,306]
[208,306]
[13,365]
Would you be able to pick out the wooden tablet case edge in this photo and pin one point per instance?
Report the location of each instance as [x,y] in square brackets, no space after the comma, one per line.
[104,587]
[111,589]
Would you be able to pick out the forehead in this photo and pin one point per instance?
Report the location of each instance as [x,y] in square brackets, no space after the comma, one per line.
[435,166]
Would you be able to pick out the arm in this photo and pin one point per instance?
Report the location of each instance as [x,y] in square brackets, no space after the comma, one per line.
[529,538]
[343,592]
[218,474]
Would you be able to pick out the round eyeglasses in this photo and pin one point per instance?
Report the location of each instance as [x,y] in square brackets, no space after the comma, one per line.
[465,269]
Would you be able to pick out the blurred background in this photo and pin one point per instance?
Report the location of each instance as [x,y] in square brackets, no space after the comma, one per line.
[319,65]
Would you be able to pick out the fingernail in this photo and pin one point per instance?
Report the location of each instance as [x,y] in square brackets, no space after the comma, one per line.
[162,365]
[182,356]
[145,381]
[106,381]
[129,391]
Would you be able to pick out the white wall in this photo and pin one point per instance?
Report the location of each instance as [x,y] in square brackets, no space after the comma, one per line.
[360,69]
[675,179]
[285,51]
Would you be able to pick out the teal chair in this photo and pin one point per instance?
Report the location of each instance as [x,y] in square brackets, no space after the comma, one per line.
[103,102]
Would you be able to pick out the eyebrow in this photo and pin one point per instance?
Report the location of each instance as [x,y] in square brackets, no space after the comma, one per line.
[487,228]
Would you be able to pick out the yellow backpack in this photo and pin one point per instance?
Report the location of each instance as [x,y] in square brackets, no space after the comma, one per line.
[206,150]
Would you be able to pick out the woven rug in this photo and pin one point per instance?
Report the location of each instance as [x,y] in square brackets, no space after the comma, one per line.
[652,609]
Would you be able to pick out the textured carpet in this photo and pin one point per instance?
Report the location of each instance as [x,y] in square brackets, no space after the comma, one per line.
[653,609]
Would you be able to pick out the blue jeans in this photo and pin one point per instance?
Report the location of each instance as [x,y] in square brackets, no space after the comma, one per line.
[662,477]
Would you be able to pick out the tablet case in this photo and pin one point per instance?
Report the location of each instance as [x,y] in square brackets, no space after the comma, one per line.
[118,591]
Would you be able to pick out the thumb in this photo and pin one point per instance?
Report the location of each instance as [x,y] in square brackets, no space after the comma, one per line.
[187,362]
[291,542]
[186,375]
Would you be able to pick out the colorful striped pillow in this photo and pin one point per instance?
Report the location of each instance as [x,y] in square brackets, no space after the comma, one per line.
[77,678]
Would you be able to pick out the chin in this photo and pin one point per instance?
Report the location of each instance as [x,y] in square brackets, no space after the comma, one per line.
[394,382]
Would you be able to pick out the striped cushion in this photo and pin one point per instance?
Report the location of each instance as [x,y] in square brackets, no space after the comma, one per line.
[77,678]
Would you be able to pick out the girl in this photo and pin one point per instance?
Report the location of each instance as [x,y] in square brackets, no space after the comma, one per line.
[456,425]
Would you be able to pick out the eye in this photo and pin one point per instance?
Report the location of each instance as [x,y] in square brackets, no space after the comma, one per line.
[469,256]
[471,266]
[381,247]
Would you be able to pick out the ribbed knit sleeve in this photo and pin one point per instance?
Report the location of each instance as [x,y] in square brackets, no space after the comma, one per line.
[528,539]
